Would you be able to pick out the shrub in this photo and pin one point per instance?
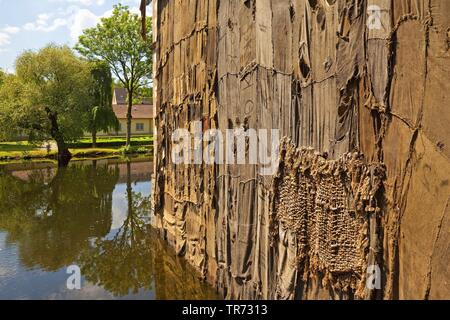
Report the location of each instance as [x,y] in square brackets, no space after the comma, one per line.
[111,142]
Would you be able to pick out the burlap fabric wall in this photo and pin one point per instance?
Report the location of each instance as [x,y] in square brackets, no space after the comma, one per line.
[364,172]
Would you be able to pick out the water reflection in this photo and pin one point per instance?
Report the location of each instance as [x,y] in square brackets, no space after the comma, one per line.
[51,221]
[95,215]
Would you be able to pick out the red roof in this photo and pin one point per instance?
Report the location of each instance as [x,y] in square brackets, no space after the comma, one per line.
[140,111]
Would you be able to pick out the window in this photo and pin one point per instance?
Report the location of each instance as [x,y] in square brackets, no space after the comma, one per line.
[139,127]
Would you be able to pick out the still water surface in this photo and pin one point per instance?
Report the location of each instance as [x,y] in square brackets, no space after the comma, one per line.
[95,215]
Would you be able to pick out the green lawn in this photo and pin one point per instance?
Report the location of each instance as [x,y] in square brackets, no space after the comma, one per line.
[113,146]
[16,146]
[18,153]
[112,142]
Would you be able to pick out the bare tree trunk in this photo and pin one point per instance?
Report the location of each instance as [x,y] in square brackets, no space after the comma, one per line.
[129,117]
[129,192]
[64,154]
[94,137]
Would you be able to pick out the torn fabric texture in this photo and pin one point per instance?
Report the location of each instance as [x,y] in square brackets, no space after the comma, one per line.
[364,176]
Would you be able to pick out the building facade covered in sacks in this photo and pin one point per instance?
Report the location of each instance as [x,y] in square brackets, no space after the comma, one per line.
[358,206]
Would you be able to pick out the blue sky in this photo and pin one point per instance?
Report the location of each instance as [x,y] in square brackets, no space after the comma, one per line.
[31,24]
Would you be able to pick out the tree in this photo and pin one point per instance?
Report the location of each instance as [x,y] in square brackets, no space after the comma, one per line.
[101,116]
[118,41]
[10,106]
[144,93]
[41,213]
[47,98]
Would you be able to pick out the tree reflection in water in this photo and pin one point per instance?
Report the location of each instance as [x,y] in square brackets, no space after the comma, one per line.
[122,265]
[52,214]
[64,217]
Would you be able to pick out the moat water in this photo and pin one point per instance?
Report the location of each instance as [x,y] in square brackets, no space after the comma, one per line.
[96,216]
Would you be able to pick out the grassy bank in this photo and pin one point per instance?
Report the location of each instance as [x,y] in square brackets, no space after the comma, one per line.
[112,142]
[80,150]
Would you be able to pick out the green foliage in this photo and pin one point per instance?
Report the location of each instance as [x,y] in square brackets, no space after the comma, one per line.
[13,116]
[140,139]
[129,149]
[146,92]
[111,142]
[143,93]
[108,262]
[47,97]
[16,146]
[43,214]
[118,41]
[102,84]
[106,146]
[100,116]
[59,218]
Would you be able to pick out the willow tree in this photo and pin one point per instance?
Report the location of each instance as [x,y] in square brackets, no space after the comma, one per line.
[118,41]
[100,116]
[47,98]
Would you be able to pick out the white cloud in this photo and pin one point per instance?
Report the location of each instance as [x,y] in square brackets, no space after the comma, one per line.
[10,30]
[73,17]
[57,23]
[88,2]
[5,36]
[44,17]
[82,2]
[82,20]
[45,23]
[4,39]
